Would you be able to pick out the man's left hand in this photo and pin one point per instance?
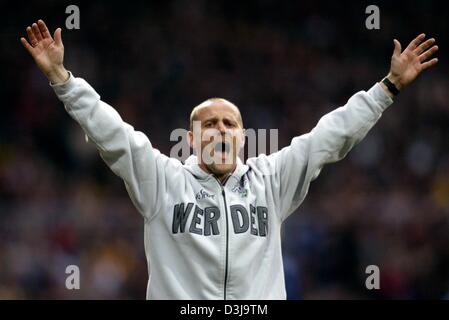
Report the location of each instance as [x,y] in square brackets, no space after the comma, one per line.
[406,66]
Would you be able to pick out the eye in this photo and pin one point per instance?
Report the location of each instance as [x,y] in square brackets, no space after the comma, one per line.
[208,124]
[231,124]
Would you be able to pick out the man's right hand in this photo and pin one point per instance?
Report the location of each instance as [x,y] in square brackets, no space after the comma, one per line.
[46,52]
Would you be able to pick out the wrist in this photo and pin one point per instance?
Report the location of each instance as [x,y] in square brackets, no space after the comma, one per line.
[394,79]
[58,75]
[389,87]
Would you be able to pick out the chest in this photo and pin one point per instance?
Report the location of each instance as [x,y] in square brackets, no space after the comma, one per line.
[211,209]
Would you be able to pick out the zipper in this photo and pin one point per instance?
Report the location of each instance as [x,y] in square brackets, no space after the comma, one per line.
[227,242]
[227,234]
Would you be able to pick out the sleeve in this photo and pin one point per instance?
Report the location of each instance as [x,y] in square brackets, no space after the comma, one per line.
[298,164]
[128,153]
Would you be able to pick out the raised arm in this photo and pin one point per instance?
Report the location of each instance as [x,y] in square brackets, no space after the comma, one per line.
[338,131]
[127,152]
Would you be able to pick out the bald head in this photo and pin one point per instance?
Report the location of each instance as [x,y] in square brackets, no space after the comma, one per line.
[215,103]
[219,137]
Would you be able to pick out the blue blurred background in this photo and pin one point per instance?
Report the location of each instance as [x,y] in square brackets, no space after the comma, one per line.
[285,64]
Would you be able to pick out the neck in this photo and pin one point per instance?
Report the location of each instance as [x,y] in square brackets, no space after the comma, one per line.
[220,176]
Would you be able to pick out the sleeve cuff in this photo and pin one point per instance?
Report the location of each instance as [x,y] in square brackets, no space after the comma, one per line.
[64,87]
[380,96]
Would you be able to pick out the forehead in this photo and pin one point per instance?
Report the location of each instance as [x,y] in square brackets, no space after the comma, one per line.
[216,109]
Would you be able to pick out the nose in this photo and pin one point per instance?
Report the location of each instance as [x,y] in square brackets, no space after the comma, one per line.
[221,127]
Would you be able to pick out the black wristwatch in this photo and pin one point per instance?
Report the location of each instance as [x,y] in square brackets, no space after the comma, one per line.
[391,87]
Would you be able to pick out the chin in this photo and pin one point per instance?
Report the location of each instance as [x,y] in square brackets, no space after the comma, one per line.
[221,169]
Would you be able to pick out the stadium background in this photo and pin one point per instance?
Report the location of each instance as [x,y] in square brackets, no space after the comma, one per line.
[285,64]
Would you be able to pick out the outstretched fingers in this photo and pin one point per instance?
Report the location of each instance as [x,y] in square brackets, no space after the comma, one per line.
[426,55]
[397,48]
[415,42]
[31,36]
[57,36]
[26,45]
[43,29]
[37,32]
[429,63]
[424,46]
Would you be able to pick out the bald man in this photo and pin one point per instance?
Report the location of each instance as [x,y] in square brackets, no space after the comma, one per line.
[212,224]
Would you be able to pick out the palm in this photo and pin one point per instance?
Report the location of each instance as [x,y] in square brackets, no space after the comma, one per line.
[406,66]
[45,51]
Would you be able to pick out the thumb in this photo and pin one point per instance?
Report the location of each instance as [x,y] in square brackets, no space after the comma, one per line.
[397,48]
[57,37]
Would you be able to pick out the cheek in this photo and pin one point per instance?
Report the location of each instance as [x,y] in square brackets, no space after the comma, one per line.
[202,138]
[205,143]
[207,136]
[239,139]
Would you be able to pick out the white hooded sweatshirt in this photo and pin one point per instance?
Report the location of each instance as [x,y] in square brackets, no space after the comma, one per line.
[205,239]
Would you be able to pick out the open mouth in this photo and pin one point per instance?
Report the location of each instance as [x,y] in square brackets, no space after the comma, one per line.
[223,147]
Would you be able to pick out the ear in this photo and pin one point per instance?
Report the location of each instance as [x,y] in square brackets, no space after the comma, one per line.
[190,139]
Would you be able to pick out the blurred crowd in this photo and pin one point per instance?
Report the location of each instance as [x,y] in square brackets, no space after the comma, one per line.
[285,65]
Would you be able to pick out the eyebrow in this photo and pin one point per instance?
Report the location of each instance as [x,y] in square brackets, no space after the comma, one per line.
[215,118]
[210,120]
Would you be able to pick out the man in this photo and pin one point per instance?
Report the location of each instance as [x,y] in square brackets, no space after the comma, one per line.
[212,225]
